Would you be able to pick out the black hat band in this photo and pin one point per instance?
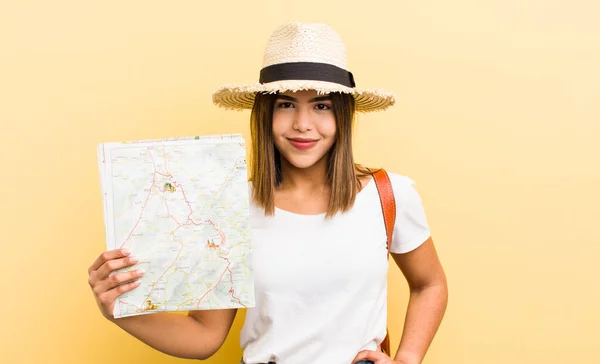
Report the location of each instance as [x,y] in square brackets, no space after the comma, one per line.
[306,71]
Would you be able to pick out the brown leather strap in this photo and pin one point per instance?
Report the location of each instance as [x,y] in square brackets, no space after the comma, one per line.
[388,203]
[388,206]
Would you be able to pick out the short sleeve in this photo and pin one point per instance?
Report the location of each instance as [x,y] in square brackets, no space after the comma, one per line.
[411,228]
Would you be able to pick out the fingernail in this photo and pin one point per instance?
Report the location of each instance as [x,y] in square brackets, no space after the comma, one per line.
[125,251]
[140,272]
[133,259]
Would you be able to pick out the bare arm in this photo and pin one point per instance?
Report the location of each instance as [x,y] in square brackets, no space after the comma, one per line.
[428,299]
[198,335]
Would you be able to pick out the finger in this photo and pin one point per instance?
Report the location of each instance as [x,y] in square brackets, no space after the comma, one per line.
[108,255]
[108,298]
[117,280]
[112,265]
[375,356]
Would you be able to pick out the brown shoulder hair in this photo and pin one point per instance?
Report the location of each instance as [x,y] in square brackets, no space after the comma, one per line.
[343,175]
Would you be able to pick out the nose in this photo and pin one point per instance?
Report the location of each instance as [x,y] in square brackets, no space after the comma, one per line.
[302,120]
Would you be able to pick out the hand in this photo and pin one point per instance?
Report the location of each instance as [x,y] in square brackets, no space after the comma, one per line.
[378,357]
[107,288]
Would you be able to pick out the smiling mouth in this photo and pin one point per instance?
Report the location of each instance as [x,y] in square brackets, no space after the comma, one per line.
[302,144]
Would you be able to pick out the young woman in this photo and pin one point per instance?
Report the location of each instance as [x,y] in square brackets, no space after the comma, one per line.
[320,254]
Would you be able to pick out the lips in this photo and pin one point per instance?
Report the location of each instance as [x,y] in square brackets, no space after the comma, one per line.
[302,143]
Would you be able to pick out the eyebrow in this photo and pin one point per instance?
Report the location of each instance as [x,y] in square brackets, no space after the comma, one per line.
[314,99]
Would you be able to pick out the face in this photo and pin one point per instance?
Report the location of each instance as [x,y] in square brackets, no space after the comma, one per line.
[304,127]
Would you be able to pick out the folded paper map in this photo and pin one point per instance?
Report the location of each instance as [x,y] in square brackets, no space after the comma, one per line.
[181,206]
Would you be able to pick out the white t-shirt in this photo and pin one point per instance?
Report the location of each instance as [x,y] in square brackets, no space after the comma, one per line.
[321,284]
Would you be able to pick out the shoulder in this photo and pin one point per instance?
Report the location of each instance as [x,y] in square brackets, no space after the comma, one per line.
[407,197]
[404,187]
[400,180]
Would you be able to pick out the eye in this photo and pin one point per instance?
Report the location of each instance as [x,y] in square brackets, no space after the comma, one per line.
[284,105]
[323,107]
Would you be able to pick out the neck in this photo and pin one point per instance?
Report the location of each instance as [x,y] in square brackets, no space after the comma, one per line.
[313,178]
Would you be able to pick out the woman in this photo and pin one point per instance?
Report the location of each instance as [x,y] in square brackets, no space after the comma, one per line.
[319,239]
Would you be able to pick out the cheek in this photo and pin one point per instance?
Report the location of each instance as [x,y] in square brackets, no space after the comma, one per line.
[328,128]
[280,124]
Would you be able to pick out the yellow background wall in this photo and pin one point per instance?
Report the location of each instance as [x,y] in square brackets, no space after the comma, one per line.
[497,120]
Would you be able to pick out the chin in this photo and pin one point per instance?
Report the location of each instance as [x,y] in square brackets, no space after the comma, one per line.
[301,162]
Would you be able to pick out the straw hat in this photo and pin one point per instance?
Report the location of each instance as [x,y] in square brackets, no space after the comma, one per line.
[302,56]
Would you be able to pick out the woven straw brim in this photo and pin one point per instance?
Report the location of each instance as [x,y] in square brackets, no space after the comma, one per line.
[240,97]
